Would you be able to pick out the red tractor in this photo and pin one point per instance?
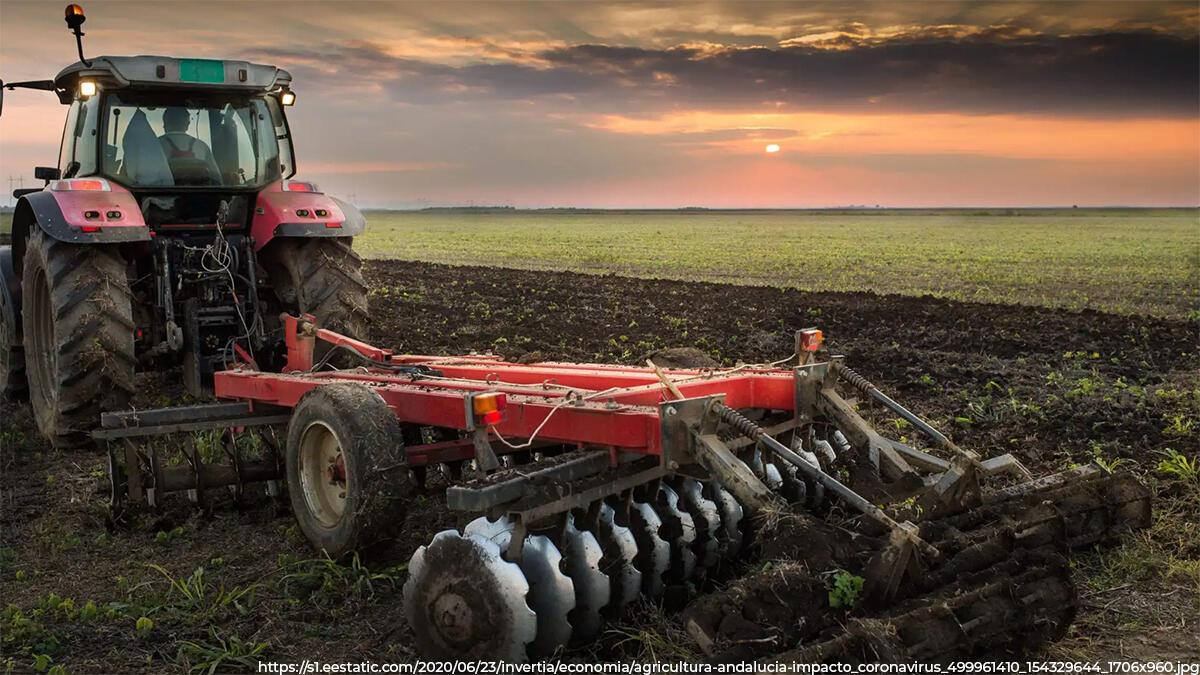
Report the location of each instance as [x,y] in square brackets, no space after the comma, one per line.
[172,232]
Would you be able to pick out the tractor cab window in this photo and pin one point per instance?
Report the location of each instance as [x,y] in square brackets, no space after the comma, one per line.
[77,154]
[157,140]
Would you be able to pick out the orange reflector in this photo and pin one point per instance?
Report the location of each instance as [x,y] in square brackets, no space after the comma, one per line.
[811,339]
[494,402]
[489,408]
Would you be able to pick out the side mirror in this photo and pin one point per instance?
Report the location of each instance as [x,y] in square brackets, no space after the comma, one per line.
[46,173]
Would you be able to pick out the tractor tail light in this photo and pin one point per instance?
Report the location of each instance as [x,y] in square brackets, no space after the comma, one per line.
[299,186]
[489,408]
[80,184]
[811,339]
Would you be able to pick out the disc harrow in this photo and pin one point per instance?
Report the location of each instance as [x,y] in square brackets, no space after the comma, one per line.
[582,488]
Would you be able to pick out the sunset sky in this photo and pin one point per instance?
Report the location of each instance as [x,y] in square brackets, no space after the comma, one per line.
[667,105]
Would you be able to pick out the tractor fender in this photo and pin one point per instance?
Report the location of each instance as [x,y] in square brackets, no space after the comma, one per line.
[303,214]
[61,215]
[10,287]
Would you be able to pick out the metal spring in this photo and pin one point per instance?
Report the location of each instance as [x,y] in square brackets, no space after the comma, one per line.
[738,421]
[853,379]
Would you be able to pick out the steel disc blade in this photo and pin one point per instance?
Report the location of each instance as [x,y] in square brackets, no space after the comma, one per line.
[825,449]
[730,535]
[814,491]
[840,444]
[680,532]
[620,550]
[581,559]
[654,553]
[756,463]
[551,593]
[774,479]
[707,518]
[498,531]
[793,488]
[464,601]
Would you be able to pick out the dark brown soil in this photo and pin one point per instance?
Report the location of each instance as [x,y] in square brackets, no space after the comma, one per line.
[1052,387]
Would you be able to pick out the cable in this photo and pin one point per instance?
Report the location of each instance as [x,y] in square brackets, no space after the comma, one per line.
[219,258]
[532,437]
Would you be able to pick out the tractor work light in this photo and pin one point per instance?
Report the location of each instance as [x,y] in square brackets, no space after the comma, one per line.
[287,98]
[80,184]
[87,89]
[489,408]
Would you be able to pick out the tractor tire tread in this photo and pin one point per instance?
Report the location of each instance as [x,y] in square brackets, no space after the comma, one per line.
[323,277]
[91,308]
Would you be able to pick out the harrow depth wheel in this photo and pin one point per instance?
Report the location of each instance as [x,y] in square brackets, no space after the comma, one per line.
[346,468]
[323,481]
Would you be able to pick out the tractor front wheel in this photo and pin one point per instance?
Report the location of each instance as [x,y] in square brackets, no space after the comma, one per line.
[77,321]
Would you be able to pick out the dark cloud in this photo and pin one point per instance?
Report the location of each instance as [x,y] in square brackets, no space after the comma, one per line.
[996,70]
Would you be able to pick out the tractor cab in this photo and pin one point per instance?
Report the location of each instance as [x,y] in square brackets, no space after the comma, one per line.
[181,134]
[172,232]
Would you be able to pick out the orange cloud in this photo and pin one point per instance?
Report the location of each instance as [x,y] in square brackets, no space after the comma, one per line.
[1011,136]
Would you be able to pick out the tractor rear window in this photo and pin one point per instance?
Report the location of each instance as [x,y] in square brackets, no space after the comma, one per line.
[155,141]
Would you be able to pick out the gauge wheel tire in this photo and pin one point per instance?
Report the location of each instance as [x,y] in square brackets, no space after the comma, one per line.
[13,384]
[346,471]
[77,321]
[323,277]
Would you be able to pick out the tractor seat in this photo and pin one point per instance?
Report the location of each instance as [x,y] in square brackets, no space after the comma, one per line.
[144,161]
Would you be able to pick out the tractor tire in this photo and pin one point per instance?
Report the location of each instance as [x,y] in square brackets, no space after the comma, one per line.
[13,385]
[322,277]
[347,474]
[78,330]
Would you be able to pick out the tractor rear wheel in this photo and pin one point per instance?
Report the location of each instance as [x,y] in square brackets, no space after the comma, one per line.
[78,335]
[13,384]
[322,277]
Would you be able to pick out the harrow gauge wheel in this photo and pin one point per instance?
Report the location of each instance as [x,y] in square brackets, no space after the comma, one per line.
[465,602]
[346,473]
[322,472]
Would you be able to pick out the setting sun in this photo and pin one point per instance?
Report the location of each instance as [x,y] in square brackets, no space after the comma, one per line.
[773,147]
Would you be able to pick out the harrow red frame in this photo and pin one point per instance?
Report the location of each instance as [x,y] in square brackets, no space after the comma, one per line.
[582,404]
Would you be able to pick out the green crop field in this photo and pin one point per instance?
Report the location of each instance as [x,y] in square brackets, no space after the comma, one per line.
[1122,260]
[1138,261]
